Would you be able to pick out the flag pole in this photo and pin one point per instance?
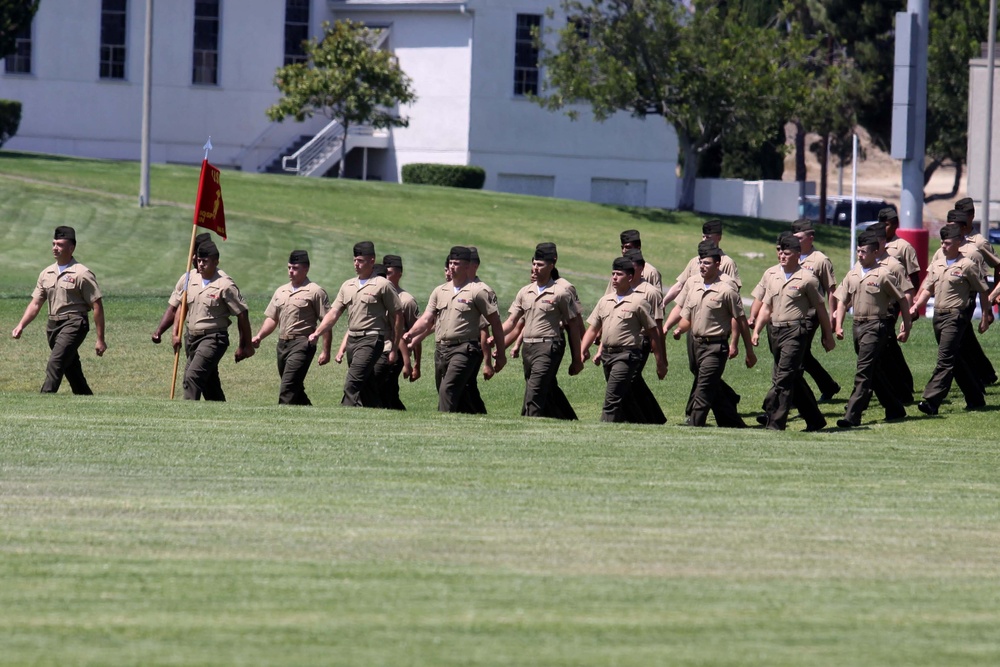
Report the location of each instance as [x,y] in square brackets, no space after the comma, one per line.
[178,329]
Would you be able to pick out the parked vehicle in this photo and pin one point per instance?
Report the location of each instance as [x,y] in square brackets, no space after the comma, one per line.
[838,209]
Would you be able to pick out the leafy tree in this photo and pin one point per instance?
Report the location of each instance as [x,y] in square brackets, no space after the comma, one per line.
[706,71]
[14,16]
[956,30]
[344,78]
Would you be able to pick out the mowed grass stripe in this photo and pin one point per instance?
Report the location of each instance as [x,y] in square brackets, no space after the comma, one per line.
[135,530]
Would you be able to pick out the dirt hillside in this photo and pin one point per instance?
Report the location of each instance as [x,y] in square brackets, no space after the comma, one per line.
[878,176]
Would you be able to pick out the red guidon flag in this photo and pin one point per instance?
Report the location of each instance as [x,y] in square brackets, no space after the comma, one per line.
[208,210]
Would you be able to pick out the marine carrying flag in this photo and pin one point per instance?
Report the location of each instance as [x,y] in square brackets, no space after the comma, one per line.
[208,210]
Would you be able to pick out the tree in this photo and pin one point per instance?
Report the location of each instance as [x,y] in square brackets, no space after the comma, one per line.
[956,31]
[345,78]
[14,16]
[705,71]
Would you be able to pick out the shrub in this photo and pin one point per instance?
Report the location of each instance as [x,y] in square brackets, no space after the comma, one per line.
[10,119]
[448,175]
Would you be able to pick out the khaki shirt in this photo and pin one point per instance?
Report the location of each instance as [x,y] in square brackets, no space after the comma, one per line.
[458,313]
[73,291]
[370,307]
[791,299]
[953,286]
[622,322]
[545,311]
[984,247]
[761,288]
[905,253]
[565,284]
[298,311]
[822,268]
[869,293]
[209,306]
[969,250]
[411,313]
[711,308]
[896,271]
[653,296]
[182,282]
[723,278]
[726,266]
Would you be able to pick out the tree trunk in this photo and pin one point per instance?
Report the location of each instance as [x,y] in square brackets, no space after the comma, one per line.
[800,152]
[954,187]
[343,152]
[825,155]
[690,172]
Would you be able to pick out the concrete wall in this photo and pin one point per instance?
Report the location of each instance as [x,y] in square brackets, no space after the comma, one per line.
[977,136]
[771,200]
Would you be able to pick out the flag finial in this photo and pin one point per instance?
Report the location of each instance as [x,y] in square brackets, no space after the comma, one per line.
[208,146]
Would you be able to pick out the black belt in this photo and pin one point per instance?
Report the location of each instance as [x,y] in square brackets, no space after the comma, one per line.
[296,337]
[711,339]
[361,334]
[541,340]
[871,319]
[207,332]
[618,349]
[453,343]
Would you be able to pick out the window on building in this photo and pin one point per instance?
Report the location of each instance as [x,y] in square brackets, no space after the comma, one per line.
[19,62]
[526,54]
[296,30]
[205,68]
[113,31]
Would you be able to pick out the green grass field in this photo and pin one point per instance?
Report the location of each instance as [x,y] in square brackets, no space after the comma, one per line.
[139,531]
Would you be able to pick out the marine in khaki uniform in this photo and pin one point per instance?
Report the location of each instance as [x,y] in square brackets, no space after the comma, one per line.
[546,307]
[454,310]
[870,289]
[211,300]
[621,319]
[387,374]
[954,281]
[632,240]
[71,291]
[170,314]
[977,356]
[374,315]
[710,231]
[674,318]
[644,408]
[710,306]
[789,296]
[821,267]
[897,371]
[899,247]
[295,310]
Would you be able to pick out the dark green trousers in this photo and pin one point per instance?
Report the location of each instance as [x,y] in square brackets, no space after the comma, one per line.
[295,356]
[542,395]
[360,389]
[65,338]
[455,366]
[201,374]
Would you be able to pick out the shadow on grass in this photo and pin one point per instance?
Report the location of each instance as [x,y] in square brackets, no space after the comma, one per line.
[36,157]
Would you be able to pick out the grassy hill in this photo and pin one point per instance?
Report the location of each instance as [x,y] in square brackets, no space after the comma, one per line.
[136,530]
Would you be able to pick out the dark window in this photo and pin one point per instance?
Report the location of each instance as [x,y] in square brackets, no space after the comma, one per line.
[205,68]
[296,30]
[526,54]
[19,62]
[113,31]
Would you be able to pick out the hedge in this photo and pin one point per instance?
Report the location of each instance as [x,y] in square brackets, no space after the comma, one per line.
[448,175]
[10,119]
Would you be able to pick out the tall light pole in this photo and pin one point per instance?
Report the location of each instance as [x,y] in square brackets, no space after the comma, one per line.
[147,103]
[991,41]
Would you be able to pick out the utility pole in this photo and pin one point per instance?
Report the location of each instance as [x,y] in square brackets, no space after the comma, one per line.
[147,103]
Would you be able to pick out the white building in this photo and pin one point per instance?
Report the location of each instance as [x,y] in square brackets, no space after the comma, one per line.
[79,70]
